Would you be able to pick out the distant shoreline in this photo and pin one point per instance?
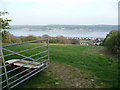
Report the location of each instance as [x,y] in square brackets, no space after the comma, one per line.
[68,24]
[79,31]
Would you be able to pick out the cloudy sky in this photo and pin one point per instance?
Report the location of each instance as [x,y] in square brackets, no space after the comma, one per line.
[72,12]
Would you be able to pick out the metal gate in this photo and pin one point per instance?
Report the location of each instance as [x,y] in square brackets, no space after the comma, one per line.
[21,61]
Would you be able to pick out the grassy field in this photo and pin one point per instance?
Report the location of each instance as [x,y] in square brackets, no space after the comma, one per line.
[74,66]
[85,41]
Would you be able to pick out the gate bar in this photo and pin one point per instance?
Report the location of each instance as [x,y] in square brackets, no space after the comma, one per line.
[24,43]
[13,62]
[25,64]
[20,73]
[6,76]
[29,77]
[22,59]
[24,50]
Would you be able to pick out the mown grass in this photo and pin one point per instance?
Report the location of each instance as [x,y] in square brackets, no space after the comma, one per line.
[99,68]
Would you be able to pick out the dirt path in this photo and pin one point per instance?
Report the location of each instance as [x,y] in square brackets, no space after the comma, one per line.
[108,53]
[66,76]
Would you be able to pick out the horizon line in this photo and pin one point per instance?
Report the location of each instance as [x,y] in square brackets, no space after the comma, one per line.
[63,24]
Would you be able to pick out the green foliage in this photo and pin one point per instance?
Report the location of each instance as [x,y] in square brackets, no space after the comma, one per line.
[62,40]
[9,38]
[4,23]
[5,36]
[112,42]
[74,41]
[28,38]
[53,40]
[3,13]
[46,36]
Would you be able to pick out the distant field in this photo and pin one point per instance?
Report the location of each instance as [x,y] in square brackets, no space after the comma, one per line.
[85,41]
[74,66]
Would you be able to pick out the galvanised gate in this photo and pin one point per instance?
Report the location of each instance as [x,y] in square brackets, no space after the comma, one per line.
[21,61]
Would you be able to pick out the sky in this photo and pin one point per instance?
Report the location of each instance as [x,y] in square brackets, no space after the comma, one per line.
[68,12]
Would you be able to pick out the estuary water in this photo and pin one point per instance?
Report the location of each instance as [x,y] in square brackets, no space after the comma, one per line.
[68,33]
[57,31]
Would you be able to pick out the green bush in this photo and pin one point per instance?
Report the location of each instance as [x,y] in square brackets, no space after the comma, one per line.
[62,40]
[53,40]
[28,38]
[112,42]
[74,41]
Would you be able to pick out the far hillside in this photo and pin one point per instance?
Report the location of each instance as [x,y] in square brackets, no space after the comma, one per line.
[68,27]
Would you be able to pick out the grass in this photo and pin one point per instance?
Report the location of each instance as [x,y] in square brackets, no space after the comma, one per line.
[73,66]
[88,58]
[85,41]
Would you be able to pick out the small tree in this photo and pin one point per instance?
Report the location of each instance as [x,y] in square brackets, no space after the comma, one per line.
[5,36]
[4,23]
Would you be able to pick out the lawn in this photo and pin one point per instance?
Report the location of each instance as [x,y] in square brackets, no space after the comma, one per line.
[74,66]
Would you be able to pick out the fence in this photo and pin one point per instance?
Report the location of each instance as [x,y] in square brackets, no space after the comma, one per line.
[18,63]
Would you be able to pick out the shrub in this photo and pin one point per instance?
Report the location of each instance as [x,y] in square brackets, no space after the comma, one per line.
[46,36]
[74,41]
[9,38]
[112,42]
[28,38]
[53,40]
[62,40]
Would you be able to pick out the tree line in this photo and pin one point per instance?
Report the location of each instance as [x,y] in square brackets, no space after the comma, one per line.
[9,38]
